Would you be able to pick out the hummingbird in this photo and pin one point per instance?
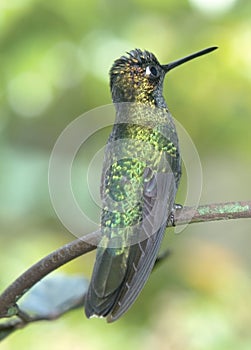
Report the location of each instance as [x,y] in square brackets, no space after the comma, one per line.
[140,178]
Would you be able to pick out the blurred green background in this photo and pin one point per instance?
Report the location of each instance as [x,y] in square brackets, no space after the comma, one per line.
[54,62]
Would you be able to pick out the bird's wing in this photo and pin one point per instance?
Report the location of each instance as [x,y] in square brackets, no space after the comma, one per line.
[159,194]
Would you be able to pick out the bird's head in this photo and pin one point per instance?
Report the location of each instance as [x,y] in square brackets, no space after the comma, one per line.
[138,77]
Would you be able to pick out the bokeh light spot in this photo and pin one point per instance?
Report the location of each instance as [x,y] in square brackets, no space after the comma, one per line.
[29,94]
[62,65]
[213,7]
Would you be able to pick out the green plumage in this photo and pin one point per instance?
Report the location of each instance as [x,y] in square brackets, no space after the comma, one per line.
[141,173]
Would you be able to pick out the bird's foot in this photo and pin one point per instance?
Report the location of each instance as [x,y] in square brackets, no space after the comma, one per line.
[175,207]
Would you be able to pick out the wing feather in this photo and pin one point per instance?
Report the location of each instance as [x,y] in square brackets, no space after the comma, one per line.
[159,194]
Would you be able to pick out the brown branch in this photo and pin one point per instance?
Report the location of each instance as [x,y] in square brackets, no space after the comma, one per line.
[72,250]
[213,212]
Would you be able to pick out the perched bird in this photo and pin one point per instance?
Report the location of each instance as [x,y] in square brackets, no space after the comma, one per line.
[141,173]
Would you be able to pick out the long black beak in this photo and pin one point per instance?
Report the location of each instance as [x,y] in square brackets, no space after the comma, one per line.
[169,66]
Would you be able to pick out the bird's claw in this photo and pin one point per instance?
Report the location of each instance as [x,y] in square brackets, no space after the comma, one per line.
[171,218]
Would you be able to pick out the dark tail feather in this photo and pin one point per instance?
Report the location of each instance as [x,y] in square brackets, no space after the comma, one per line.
[95,306]
[108,275]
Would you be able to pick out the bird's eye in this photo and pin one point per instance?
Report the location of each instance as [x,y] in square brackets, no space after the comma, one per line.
[152,72]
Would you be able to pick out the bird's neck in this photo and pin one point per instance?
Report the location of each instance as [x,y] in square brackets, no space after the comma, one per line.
[155,99]
[150,115]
